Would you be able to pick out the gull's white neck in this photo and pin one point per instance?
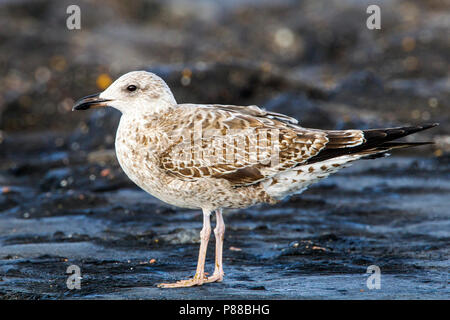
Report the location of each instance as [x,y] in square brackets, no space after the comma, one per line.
[154,106]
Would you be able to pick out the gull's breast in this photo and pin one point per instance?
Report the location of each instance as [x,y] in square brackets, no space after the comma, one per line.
[137,159]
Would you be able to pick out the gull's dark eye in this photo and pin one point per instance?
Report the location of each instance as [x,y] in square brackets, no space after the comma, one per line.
[131,88]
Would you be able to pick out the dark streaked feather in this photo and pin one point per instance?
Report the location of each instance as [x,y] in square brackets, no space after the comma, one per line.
[377,142]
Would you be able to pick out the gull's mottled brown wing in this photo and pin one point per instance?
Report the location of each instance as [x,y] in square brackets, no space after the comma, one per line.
[256,112]
[243,145]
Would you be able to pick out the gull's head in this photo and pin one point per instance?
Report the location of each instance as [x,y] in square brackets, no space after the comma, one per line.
[137,91]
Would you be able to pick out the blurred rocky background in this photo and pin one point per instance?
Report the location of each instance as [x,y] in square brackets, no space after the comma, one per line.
[64,200]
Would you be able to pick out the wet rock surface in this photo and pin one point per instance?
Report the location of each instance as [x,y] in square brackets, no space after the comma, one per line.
[392,213]
[65,201]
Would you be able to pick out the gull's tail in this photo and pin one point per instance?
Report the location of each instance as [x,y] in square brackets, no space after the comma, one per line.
[377,143]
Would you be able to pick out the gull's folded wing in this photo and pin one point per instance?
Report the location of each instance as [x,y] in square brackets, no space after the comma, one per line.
[243,145]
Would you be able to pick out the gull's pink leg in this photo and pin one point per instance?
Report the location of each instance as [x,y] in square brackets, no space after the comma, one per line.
[219,232]
[199,277]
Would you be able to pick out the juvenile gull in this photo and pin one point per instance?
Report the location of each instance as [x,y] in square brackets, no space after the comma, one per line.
[211,157]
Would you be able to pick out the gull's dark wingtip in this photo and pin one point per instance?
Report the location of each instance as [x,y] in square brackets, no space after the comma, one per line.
[377,141]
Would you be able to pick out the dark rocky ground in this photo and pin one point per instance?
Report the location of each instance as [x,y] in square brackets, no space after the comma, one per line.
[392,213]
[65,201]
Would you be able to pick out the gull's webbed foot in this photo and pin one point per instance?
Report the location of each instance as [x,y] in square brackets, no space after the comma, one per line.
[216,277]
[196,281]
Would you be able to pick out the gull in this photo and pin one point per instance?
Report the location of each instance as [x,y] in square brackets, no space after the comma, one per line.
[210,157]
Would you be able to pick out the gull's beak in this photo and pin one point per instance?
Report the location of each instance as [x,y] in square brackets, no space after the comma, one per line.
[92,101]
